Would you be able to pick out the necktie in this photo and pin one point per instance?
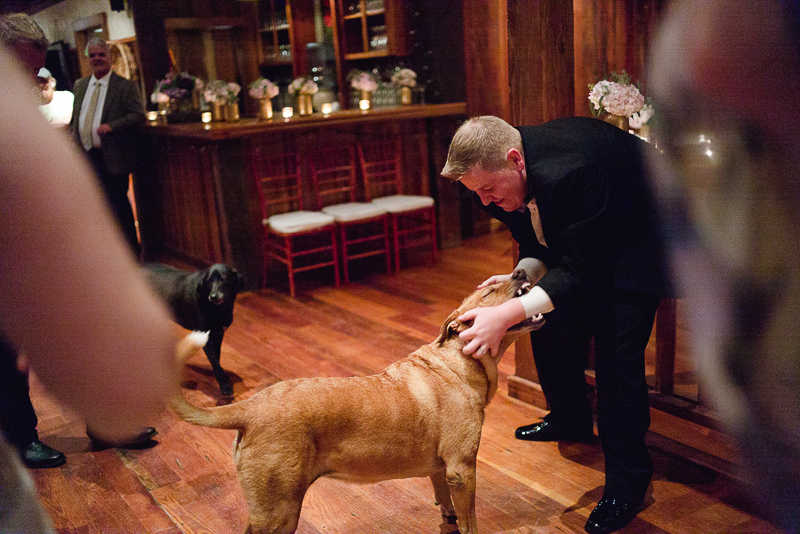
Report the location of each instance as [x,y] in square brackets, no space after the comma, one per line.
[86,131]
[536,222]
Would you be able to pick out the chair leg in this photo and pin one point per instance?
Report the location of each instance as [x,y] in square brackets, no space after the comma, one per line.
[433,232]
[265,267]
[335,248]
[396,246]
[386,246]
[290,265]
[345,260]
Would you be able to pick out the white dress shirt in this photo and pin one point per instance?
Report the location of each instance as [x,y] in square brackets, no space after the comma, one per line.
[102,86]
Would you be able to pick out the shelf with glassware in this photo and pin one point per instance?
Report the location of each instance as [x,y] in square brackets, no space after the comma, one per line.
[372,28]
[275,32]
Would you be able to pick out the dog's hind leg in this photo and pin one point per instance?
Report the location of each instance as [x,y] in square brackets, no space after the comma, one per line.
[460,478]
[442,493]
[213,350]
[272,509]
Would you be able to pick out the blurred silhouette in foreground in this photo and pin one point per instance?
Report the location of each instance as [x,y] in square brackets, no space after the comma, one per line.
[726,80]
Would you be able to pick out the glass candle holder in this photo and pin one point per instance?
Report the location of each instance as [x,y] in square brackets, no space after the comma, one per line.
[287,112]
[205,117]
[327,107]
[363,104]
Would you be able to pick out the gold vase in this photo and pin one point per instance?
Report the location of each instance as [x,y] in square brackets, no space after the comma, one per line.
[304,105]
[265,109]
[617,120]
[217,111]
[405,95]
[232,111]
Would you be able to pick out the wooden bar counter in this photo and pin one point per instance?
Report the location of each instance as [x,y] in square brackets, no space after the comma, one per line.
[196,201]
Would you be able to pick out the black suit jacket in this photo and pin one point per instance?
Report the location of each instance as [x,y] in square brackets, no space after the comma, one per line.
[596,208]
[123,110]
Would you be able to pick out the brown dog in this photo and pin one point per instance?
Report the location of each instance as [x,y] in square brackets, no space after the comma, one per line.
[422,416]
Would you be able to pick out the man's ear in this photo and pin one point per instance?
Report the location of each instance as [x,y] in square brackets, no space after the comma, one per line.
[515,159]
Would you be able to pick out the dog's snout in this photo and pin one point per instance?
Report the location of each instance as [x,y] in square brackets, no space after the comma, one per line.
[519,275]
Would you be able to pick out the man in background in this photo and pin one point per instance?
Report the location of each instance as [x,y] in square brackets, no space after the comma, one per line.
[57,105]
[107,112]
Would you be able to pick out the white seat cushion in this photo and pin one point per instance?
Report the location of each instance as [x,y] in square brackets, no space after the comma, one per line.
[298,221]
[400,203]
[354,211]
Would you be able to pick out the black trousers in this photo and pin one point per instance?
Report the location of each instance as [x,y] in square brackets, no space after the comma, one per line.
[620,322]
[115,186]
[17,418]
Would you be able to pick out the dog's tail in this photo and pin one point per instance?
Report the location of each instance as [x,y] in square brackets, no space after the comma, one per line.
[227,417]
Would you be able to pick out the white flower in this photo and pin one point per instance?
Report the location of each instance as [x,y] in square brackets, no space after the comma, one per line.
[598,92]
[638,119]
[263,88]
[364,82]
[623,100]
[405,77]
[303,86]
[617,97]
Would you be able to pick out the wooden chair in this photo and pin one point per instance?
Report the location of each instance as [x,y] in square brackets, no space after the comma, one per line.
[301,240]
[412,218]
[363,226]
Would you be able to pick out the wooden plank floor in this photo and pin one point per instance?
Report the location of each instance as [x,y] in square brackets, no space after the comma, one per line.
[187,483]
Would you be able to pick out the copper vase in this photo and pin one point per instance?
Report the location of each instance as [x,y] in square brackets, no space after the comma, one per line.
[265,109]
[405,95]
[617,120]
[232,111]
[304,105]
[217,111]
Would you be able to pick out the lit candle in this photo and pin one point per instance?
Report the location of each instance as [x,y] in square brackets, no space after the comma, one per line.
[287,112]
[363,104]
[152,116]
[327,107]
[206,116]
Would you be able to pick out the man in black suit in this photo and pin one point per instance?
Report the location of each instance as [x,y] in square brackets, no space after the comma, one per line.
[574,194]
[105,128]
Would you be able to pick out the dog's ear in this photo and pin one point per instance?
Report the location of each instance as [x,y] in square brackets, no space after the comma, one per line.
[451,327]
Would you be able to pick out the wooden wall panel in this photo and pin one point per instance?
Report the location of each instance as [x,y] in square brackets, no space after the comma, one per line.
[486,58]
[541,62]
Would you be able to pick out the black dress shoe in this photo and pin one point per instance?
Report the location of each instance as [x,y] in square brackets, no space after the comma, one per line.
[547,431]
[37,455]
[145,434]
[611,515]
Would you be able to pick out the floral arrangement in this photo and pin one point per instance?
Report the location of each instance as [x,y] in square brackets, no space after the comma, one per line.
[617,96]
[405,78]
[221,91]
[263,88]
[363,81]
[175,87]
[303,86]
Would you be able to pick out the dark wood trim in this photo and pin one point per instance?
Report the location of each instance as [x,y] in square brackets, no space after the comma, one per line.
[245,127]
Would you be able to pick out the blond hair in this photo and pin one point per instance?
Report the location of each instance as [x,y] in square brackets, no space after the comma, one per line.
[481,142]
[21,28]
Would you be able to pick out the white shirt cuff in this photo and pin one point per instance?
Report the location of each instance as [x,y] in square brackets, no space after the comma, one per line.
[536,301]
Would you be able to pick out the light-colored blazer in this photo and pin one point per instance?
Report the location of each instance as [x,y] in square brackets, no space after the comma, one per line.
[123,110]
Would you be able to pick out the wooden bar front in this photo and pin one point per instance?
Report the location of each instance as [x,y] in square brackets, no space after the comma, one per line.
[197,203]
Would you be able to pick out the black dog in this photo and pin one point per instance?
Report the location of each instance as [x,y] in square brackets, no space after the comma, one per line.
[202,300]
